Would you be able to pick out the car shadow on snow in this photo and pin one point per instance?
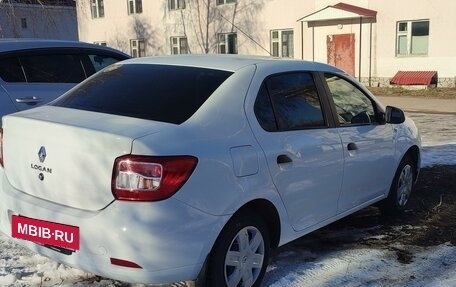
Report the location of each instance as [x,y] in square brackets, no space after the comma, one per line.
[429,221]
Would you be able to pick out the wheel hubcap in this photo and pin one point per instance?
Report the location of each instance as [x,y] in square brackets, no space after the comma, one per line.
[404,185]
[244,259]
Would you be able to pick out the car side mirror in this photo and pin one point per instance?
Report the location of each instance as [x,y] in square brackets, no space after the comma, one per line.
[394,115]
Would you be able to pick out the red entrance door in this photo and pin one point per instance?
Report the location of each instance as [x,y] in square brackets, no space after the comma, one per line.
[341,52]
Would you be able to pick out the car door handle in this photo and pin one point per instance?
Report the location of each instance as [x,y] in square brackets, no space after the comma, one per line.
[281,159]
[352,146]
[28,100]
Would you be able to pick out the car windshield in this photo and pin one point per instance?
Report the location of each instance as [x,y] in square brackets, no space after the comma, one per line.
[162,93]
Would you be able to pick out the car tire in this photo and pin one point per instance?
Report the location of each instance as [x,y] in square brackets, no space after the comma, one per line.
[401,189]
[241,253]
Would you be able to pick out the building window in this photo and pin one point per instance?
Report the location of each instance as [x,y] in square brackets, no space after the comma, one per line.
[137,48]
[176,4]
[179,45]
[24,23]
[412,38]
[221,2]
[282,43]
[134,6]
[227,43]
[101,43]
[97,8]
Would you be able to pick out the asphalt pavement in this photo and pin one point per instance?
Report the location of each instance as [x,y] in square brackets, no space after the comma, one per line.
[421,105]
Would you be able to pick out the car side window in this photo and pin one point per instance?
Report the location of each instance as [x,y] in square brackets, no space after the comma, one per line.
[10,70]
[53,68]
[263,110]
[353,107]
[100,62]
[294,103]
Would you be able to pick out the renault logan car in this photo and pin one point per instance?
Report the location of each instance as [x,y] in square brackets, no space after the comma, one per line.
[34,71]
[169,169]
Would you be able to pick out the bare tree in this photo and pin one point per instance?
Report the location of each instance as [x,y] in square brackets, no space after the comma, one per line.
[201,21]
[144,30]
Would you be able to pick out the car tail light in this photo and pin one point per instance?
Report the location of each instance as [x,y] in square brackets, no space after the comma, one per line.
[150,178]
[1,146]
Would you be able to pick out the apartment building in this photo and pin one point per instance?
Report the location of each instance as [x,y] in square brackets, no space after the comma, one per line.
[50,19]
[372,40]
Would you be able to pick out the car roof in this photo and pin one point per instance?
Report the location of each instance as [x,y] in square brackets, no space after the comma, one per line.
[231,62]
[19,44]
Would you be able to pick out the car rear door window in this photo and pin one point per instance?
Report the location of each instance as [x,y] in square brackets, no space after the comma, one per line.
[264,111]
[294,101]
[52,68]
[11,70]
[162,93]
[100,62]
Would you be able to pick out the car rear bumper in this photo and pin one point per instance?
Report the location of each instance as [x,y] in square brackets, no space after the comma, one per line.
[168,239]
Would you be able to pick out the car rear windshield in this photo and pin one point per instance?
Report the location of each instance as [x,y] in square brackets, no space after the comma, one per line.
[162,93]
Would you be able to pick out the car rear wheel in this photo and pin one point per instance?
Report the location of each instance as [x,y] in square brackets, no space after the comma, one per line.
[401,188]
[240,254]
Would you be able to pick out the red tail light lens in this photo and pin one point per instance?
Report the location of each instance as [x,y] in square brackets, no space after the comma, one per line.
[150,178]
[1,146]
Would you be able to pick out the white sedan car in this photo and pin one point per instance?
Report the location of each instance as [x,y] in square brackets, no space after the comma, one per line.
[169,169]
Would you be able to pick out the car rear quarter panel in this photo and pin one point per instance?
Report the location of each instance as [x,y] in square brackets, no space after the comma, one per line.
[217,134]
[217,129]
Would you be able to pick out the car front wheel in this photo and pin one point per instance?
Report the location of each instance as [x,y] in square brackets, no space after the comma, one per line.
[401,188]
[240,254]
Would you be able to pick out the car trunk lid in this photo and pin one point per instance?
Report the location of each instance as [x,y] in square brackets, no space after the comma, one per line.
[69,159]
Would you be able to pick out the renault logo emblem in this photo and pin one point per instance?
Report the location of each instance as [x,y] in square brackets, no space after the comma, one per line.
[42,154]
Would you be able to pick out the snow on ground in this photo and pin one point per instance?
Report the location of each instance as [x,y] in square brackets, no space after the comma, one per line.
[350,267]
[434,266]
[438,133]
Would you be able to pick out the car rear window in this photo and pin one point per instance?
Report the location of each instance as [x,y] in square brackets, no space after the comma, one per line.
[162,93]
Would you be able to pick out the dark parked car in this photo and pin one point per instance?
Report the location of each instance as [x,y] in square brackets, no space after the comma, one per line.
[34,71]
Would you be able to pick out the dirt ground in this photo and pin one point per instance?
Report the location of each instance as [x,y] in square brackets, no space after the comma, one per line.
[430,220]
[441,93]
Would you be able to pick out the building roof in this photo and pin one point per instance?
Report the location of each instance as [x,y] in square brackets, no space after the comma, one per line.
[339,11]
[415,78]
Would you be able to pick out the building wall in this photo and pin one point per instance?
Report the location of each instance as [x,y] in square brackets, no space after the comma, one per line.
[281,15]
[51,22]
[441,54]
[380,63]
[117,27]
[253,22]
[244,18]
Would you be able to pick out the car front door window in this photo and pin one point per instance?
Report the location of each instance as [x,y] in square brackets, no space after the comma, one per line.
[353,106]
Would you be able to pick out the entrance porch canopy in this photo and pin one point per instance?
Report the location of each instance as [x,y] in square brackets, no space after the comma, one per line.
[339,11]
[334,13]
